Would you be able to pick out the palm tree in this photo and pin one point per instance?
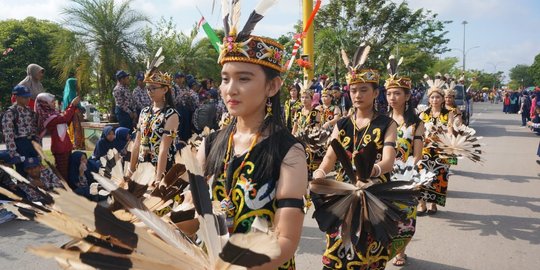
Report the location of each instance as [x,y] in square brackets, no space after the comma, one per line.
[110,35]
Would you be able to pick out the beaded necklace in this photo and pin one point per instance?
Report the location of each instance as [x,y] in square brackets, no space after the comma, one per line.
[230,176]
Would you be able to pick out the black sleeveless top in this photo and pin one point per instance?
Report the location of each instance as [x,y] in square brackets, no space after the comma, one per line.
[376,131]
[254,194]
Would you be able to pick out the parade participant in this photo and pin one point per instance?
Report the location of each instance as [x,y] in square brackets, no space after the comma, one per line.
[258,167]
[34,76]
[330,112]
[75,131]
[38,176]
[292,105]
[157,127]
[123,100]
[141,99]
[409,143]
[341,99]
[55,123]
[19,125]
[354,132]
[307,115]
[436,114]
[450,104]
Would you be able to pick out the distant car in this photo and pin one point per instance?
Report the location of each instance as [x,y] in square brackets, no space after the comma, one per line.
[463,102]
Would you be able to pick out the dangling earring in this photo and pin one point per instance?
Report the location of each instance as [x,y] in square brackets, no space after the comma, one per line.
[268,108]
[406,106]
[388,108]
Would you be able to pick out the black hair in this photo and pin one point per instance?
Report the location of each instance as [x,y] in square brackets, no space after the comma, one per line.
[169,101]
[409,116]
[270,125]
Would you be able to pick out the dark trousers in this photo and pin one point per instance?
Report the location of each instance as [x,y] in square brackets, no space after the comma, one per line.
[26,149]
[525,116]
[124,119]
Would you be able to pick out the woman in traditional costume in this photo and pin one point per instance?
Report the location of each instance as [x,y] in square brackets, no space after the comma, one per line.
[292,105]
[450,103]
[257,168]
[354,132]
[409,146]
[438,116]
[157,127]
[330,113]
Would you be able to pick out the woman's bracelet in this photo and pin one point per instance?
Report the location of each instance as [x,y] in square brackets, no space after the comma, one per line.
[378,170]
[319,170]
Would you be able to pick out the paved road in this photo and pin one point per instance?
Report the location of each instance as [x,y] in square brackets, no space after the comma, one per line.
[491,221]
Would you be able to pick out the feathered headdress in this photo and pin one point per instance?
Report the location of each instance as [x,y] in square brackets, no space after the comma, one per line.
[327,90]
[357,74]
[305,88]
[244,47]
[449,86]
[394,81]
[435,86]
[153,75]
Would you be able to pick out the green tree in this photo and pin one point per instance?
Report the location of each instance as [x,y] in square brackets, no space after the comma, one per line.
[521,75]
[385,25]
[183,52]
[535,70]
[444,66]
[32,41]
[111,35]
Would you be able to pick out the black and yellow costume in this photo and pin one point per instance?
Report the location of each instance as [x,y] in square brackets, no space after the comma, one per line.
[254,191]
[291,108]
[152,130]
[353,138]
[436,191]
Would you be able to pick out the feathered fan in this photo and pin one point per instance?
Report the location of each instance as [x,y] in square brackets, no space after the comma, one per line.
[408,171]
[363,206]
[314,137]
[461,144]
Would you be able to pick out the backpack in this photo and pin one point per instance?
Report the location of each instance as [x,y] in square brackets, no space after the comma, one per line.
[205,116]
[527,103]
[15,116]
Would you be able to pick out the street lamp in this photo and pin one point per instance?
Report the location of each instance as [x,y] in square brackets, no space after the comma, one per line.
[464,52]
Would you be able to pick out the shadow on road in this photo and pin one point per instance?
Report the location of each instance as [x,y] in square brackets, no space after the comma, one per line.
[509,227]
[21,227]
[418,264]
[487,176]
[506,200]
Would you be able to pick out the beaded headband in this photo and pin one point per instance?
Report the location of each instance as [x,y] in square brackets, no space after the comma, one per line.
[394,80]
[357,74]
[244,47]
[152,75]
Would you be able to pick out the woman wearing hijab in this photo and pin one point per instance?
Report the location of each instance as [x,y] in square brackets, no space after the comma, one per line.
[122,138]
[80,179]
[75,130]
[34,76]
[55,123]
[105,143]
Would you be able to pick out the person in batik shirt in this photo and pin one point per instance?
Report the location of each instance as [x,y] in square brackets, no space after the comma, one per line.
[19,125]
[141,99]
[123,100]
[38,176]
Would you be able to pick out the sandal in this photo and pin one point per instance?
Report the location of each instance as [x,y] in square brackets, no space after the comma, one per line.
[400,260]
[432,211]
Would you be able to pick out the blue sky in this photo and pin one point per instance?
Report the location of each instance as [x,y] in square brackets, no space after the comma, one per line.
[505,31]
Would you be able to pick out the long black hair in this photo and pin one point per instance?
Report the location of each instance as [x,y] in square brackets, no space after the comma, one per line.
[409,116]
[169,101]
[270,125]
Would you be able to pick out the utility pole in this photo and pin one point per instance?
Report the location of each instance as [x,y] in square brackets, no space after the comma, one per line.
[307,8]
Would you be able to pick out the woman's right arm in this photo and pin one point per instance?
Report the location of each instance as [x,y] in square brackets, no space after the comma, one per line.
[134,159]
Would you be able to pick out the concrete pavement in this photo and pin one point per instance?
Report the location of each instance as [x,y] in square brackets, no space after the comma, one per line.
[491,221]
